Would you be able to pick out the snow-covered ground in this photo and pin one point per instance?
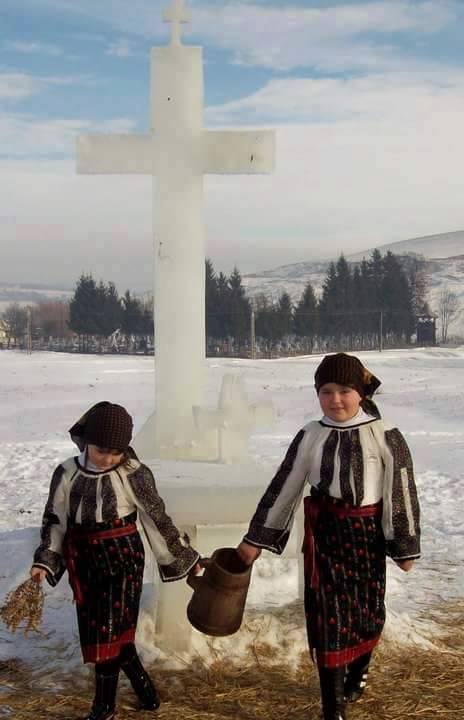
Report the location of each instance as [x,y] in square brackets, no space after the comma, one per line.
[43,394]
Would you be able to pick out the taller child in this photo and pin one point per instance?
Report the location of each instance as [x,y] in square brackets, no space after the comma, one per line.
[89,529]
[362,506]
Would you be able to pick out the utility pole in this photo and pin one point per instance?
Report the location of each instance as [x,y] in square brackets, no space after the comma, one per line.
[381,332]
[253,334]
[29,332]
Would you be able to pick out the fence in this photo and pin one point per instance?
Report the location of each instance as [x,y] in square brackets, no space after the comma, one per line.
[254,335]
[335,332]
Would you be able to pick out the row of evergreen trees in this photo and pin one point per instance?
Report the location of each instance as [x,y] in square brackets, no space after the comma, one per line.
[378,295]
[98,310]
[358,302]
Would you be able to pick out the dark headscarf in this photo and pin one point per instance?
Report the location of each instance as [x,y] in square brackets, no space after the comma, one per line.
[348,370]
[106,425]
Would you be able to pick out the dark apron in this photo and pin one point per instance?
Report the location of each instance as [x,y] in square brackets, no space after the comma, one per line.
[105,566]
[344,557]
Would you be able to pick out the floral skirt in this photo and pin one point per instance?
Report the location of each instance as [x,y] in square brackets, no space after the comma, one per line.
[105,567]
[344,580]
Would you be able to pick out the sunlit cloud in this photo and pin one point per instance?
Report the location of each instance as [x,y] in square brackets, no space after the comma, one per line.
[34,48]
[24,136]
[16,86]
[120,48]
[283,37]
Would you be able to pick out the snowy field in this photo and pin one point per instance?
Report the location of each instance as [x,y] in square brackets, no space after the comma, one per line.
[43,394]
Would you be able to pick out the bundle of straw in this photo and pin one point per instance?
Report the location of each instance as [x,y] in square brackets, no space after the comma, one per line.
[24,604]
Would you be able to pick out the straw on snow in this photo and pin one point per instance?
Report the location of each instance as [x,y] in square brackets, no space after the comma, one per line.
[405,682]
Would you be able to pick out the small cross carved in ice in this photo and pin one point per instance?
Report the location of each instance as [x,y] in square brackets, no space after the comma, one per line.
[176,15]
[233,419]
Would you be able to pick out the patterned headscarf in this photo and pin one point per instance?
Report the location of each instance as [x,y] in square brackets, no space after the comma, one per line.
[347,370]
[106,425]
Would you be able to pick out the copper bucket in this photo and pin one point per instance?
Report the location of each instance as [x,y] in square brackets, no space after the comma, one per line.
[218,601]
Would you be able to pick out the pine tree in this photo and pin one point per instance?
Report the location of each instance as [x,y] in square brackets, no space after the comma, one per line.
[83,309]
[368,302]
[328,304]
[376,274]
[343,319]
[211,301]
[110,310]
[131,315]
[396,298]
[359,306]
[147,323]
[284,319]
[344,284]
[305,315]
[265,315]
[418,281]
[224,323]
[239,308]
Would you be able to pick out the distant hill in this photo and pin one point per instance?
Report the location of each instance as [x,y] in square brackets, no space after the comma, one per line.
[444,263]
[443,254]
[445,245]
[30,294]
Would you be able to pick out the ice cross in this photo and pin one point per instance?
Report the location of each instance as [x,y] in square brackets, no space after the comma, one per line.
[176,15]
[233,420]
[177,152]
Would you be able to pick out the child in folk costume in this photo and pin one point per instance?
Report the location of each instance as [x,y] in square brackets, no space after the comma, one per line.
[89,529]
[362,506]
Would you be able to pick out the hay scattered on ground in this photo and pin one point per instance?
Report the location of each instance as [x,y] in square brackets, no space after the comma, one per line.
[404,683]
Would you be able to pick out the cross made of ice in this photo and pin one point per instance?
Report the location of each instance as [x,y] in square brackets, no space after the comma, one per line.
[233,420]
[176,15]
[177,152]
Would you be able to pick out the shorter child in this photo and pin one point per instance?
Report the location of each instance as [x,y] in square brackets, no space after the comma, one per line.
[362,506]
[89,528]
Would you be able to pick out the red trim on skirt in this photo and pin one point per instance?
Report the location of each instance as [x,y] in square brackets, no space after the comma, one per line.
[314,506]
[107,651]
[337,658]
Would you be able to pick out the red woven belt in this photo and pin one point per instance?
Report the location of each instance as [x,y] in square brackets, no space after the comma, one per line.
[312,508]
[70,553]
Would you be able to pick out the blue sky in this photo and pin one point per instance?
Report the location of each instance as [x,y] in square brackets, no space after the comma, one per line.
[366,97]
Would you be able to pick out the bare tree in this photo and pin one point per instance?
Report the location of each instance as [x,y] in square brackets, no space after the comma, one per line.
[51,319]
[15,319]
[448,310]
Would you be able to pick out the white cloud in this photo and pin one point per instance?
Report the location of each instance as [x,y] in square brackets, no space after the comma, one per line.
[329,38]
[120,48]
[24,136]
[378,162]
[360,161]
[30,48]
[395,97]
[60,224]
[89,37]
[339,186]
[283,37]
[15,86]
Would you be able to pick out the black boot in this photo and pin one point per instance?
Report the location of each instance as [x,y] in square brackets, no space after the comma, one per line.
[139,678]
[356,678]
[106,685]
[332,697]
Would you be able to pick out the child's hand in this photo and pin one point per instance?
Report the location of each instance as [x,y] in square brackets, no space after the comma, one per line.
[248,553]
[405,565]
[38,574]
[196,570]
